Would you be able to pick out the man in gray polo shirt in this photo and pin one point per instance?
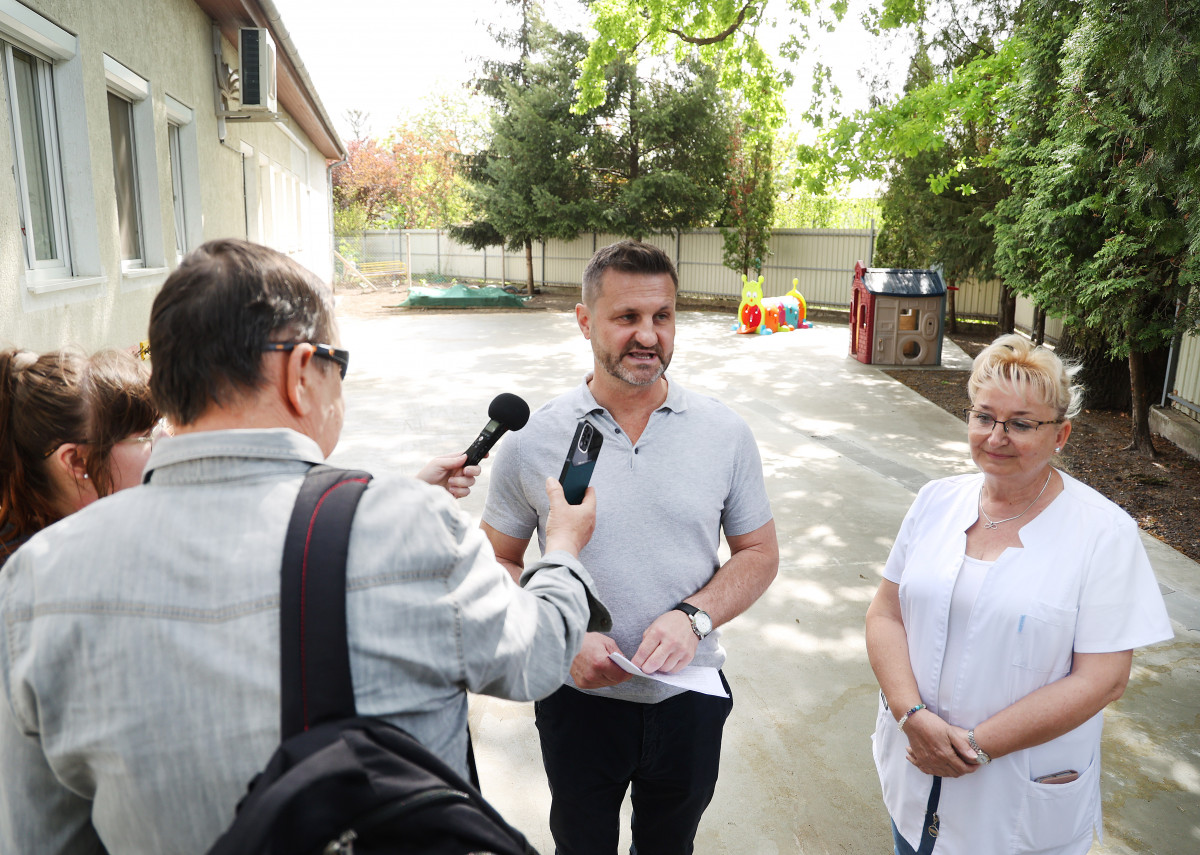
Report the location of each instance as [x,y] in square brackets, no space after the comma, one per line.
[675,469]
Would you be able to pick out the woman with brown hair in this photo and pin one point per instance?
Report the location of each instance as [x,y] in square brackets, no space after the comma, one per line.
[72,429]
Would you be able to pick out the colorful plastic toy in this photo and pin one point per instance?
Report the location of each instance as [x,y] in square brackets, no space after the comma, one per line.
[750,310]
[770,315]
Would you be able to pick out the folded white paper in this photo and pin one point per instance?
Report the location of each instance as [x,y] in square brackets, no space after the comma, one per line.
[694,678]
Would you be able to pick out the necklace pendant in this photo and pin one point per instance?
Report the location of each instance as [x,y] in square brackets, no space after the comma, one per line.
[990,524]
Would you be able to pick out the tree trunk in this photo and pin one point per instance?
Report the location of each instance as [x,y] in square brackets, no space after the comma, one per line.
[1139,389]
[529,267]
[1006,320]
[1039,325]
[951,312]
[1105,380]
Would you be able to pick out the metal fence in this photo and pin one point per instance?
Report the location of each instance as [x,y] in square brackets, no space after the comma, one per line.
[821,261]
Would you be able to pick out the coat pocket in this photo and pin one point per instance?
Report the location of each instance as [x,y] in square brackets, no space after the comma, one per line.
[1045,639]
[1054,815]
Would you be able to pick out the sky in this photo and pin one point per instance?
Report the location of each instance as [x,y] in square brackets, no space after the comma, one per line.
[384,56]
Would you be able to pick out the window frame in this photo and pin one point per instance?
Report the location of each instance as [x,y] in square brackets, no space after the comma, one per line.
[59,265]
[175,155]
[138,260]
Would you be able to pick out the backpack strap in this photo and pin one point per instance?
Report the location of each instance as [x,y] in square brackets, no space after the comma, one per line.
[316,685]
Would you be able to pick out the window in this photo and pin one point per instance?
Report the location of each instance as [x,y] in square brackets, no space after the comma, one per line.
[185,175]
[124,151]
[52,204]
[139,226]
[37,167]
[177,187]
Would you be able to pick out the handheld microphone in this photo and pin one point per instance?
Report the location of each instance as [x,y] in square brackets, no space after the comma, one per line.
[507,412]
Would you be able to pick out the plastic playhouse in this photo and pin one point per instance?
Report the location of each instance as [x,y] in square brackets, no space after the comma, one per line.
[766,315]
[896,316]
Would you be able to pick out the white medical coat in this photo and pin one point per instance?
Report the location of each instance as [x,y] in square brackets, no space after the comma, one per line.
[1082,582]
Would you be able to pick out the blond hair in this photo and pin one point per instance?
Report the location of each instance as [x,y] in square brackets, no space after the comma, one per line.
[1013,363]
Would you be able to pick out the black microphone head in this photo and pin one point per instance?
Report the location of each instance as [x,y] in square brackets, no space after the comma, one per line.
[509,410]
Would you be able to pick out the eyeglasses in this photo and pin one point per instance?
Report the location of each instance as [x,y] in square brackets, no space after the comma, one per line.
[147,439]
[325,351]
[59,444]
[984,423]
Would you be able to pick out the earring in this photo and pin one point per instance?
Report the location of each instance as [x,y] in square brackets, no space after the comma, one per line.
[1056,451]
[85,476]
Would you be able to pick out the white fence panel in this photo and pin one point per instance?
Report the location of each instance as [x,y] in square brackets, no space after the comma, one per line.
[822,260]
[977,299]
[1187,377]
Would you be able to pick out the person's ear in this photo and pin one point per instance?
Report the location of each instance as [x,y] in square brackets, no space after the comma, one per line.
[584,319]
[298,377]
[70,464]
[1060,438]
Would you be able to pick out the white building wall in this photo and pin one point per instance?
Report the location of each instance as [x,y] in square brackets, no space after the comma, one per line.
[169,44]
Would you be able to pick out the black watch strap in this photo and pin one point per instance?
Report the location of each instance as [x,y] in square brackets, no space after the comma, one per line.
[687,608]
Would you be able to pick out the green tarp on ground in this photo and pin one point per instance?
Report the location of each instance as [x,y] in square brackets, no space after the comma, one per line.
[461,297]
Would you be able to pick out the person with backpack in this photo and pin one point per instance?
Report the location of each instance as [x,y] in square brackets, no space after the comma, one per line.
[140,649]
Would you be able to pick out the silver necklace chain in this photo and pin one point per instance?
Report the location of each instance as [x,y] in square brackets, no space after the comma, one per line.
[991,523]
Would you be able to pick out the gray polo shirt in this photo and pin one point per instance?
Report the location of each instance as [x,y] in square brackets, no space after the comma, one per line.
[661,506]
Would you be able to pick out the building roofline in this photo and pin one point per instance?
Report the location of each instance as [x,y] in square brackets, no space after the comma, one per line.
[296,92]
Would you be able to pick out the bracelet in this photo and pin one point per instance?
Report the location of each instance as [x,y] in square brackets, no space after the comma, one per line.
[904,718]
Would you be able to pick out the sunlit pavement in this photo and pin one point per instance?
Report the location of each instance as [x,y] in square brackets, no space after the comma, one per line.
[844,449]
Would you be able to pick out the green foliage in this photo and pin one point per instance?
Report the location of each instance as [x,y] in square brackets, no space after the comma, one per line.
[721,33]
[405,180]
[652,158]
[1104,159]
[749,204]
[659,154]
[797,209]
[867,143]
[349,220]
[530,184]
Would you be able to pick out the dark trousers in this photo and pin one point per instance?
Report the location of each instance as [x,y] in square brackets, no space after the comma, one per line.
[595,748]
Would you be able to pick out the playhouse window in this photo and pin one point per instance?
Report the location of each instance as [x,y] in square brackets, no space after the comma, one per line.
[909,318]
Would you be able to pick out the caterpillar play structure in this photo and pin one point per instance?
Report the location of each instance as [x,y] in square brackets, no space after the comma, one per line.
[772,314]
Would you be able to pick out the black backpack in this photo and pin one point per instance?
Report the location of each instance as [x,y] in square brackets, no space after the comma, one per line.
[341,783]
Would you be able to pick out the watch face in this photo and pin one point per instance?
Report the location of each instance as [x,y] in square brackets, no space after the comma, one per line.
[703,622]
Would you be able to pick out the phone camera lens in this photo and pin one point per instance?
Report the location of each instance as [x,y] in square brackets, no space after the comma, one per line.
[585,438]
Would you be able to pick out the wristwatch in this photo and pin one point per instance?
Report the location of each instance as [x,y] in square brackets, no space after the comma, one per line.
[981,756]
[701,623]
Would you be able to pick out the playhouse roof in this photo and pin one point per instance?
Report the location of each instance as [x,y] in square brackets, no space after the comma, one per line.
[905,283]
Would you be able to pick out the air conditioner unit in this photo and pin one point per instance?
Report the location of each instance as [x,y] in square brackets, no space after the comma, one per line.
[256,69]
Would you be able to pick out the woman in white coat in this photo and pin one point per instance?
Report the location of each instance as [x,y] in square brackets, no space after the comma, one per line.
[1005,623]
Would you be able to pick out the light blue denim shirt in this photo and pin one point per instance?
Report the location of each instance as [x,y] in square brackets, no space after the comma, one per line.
[139,654]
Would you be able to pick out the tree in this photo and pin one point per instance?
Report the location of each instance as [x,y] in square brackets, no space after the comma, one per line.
[720,33]
[1101,229]
[651,158]
[660,152]
[750,203]
[530,183]
[405,180]
[1099,120]
[367,181]
[429,192]
[949,224]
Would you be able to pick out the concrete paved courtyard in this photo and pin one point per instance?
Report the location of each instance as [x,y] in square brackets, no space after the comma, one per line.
[844,449]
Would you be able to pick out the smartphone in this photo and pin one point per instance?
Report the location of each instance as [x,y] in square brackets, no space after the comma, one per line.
[1066,776]
[581,460]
